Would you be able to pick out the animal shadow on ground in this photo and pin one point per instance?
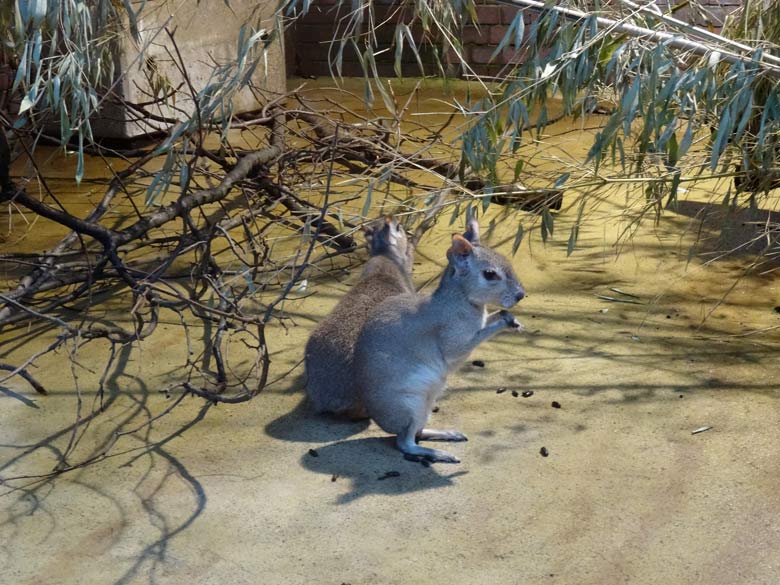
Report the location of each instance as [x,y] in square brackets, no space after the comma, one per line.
[303,425]
[374,466]
[362,461]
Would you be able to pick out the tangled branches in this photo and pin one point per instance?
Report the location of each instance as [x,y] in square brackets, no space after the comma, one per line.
[246,230]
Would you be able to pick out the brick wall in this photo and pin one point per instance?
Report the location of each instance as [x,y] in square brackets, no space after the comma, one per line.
[308,40]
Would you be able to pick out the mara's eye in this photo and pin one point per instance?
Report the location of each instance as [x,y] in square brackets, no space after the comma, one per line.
[490,275]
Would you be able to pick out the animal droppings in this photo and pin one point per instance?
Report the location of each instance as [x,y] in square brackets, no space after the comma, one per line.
[528,393]
[313,453]
[478,363]
[501,390]
[544,452]
[515,393]
[334,477]
[435,409]
[555,404]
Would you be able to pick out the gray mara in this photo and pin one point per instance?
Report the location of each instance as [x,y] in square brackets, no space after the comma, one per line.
[410,343]
[331,346]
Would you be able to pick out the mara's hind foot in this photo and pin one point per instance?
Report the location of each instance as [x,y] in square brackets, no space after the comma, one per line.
[434,435]
[408,447]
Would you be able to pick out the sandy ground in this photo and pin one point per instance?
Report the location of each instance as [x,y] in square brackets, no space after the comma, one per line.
[234,494]
[626,495]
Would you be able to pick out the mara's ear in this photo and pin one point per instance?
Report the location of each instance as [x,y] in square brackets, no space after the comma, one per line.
[369,229]
[391,228]
[461,246]
[379,234]
[472,227]
[459,253]
[372,231]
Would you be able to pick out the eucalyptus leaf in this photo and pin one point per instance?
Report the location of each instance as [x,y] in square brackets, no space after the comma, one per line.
[367,202]
[572,243]
[80,160]
[518,238]
[548,223]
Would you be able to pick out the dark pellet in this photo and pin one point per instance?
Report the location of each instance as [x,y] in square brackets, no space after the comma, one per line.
[334,477]
[501,390]
[389,474]
[544,452]
[515,393]
[528,393]
[556,404]
[313,453]
[478,363]
[435,409]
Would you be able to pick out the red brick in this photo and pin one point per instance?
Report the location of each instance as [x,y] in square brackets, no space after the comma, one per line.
[349,68]
[465,53]
[510,55]
[450,56]
[308,33]
[385,34]
[482,54]
[316,68]
[718,15]
[316,51]
[508,14]
[393,14]
[474,35]
[488,14]
[497,33]
[481,69]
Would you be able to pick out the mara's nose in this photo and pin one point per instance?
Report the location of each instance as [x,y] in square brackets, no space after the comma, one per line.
[519,295]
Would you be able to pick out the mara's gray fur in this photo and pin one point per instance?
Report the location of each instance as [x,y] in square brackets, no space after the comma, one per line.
[410,343]
[331,347]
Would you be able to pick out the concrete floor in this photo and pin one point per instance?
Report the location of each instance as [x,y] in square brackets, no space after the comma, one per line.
[233,495]
[626,495]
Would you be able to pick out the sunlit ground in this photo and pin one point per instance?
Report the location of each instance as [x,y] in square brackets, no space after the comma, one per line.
[628,494]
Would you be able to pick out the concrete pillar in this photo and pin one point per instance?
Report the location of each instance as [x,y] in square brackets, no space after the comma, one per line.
[206,34]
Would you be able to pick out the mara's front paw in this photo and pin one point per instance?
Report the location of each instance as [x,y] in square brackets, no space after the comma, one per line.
[511,322]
